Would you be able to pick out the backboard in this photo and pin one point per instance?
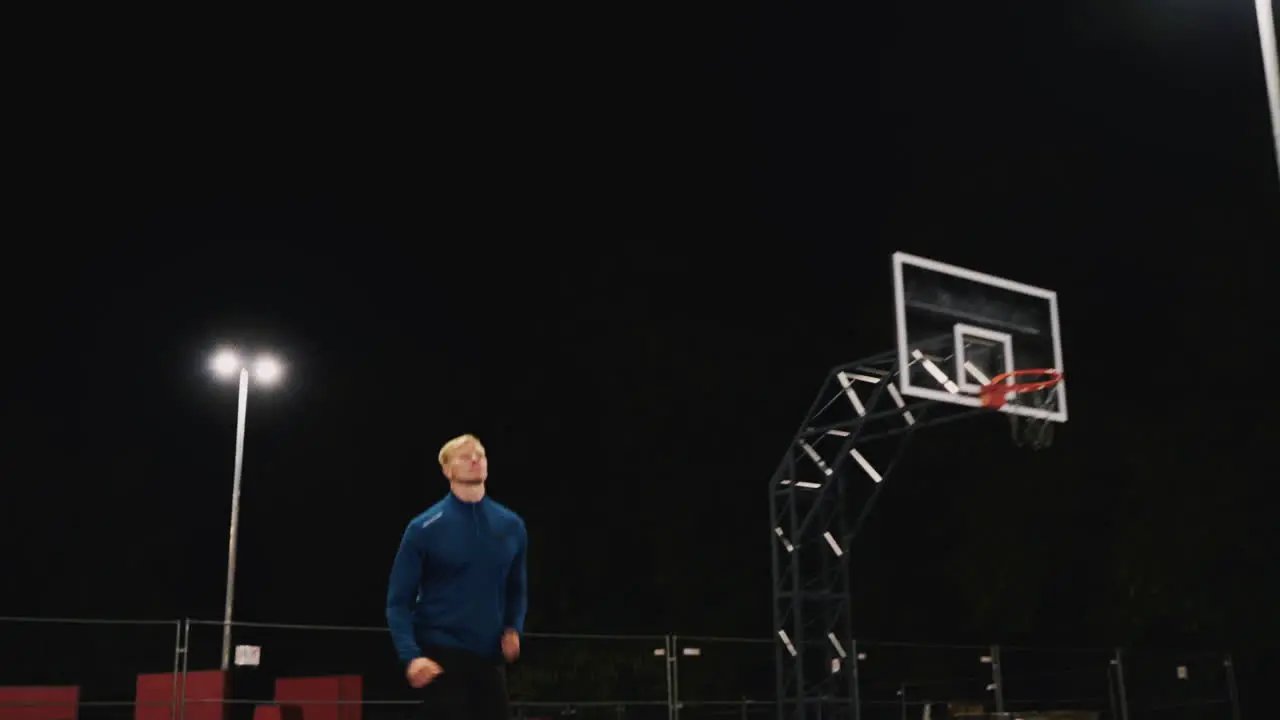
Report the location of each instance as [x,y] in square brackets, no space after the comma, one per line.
[958,329]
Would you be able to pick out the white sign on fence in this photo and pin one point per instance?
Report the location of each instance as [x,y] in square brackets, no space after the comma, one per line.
[248,655]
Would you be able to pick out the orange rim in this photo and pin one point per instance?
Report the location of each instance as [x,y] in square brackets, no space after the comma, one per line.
[995,393]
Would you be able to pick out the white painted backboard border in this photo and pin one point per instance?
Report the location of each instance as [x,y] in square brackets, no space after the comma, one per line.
[906,387]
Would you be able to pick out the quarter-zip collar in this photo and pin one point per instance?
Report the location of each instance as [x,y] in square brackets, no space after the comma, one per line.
[474,512]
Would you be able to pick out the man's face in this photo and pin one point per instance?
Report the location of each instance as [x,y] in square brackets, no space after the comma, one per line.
[467,464]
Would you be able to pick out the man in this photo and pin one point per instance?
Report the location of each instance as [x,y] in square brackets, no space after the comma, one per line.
[457,597]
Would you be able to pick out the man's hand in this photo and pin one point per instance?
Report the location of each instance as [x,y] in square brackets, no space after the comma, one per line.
[422,671]
[511,645]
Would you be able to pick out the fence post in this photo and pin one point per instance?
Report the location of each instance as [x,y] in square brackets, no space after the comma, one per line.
[186,665]
[1111,690]
[670,662]
[857,693]
[1232,691]
[997,679]
[902,693]
[676,651]
[1118,662]
[177,669]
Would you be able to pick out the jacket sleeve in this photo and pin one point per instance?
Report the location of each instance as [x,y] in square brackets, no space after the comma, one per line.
[402,593]
[518,586]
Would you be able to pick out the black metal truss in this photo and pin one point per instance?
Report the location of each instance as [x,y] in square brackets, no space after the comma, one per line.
[848,445]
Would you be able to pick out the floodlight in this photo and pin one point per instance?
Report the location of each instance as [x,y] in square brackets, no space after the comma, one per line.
[225,363]
[267,370]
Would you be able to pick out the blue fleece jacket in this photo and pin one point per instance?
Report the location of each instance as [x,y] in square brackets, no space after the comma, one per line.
[459,579]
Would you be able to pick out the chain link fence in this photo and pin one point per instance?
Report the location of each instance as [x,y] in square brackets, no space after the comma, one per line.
[1061,679]
[716,678]
[1171,685]
[84,669]
[903,680]
[68,668]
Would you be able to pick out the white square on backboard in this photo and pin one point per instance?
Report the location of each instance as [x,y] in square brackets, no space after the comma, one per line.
[248,655]
[963,375]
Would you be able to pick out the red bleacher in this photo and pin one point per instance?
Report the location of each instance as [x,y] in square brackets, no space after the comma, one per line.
[334,697]
[158,694]
[39,703]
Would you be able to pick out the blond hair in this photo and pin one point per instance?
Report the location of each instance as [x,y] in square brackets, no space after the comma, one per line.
[454,444]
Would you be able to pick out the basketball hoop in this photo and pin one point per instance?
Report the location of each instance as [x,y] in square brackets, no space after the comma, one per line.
[1036,432]
[996,393]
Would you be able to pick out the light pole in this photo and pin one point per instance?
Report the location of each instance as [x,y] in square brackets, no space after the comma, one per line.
[1271,67]
[266,370]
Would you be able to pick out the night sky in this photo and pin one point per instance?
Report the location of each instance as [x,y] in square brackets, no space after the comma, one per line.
[624,250]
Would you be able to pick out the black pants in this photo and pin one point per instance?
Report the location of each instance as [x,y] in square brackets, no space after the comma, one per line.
[468,688]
